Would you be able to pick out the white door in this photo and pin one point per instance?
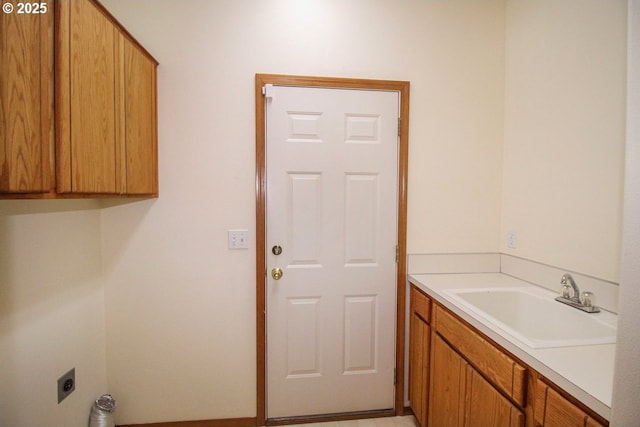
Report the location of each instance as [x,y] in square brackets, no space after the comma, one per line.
[332,178]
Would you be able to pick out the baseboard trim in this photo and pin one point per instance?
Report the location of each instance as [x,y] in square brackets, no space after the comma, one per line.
[229,422]
[331,417]
[251,422]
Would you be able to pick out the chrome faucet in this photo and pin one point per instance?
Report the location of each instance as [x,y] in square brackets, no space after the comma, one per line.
[568,283]
[571,295]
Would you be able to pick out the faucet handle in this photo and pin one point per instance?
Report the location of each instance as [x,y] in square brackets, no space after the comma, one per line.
[586,299]
[566,291]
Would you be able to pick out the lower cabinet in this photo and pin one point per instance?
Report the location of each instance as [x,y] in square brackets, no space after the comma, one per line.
[419,345]
[552,409]
[460,396]
[485,406]
[447,387]
[459,378]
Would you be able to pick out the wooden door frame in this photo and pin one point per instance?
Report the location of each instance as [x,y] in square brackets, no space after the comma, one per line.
[402,87]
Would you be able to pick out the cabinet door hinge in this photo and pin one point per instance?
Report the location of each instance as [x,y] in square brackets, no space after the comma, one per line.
[397,253]
[399,127]
[395,376]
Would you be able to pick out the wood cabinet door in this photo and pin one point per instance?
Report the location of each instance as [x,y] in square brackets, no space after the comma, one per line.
[486,407]
[137,120]
[553,410]
[106,105]
[26,100]
[420,336]
[460,396]
[447,385]
[87,150]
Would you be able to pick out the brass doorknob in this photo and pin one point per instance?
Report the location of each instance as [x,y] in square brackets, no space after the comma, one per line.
[276,273]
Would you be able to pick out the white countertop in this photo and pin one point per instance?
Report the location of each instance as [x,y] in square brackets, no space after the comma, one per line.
[586,371]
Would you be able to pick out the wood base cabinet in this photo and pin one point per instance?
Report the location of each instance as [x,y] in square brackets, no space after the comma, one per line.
[459,377]
[460,396]
[553,410]
[419,351]
[105,105]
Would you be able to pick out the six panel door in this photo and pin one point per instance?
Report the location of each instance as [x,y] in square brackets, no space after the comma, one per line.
[332,177]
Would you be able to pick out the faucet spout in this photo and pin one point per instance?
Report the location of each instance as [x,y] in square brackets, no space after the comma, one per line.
[567,280]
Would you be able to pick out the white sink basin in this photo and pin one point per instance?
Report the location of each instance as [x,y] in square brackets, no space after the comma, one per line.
[532,316]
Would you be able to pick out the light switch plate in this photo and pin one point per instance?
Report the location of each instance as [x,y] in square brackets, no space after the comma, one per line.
[238,239]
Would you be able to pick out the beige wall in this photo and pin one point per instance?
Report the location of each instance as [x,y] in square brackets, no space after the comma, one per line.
[181,306]
[563,164]
[51,311]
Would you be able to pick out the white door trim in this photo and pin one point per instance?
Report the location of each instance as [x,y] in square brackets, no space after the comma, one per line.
[402,87]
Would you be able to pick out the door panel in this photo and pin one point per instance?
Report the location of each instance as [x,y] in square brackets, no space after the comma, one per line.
[332,179]
[306,226]
[360,334]
[361,218]
[303,337]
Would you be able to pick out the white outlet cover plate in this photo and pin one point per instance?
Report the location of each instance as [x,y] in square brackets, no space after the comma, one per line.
[238,239]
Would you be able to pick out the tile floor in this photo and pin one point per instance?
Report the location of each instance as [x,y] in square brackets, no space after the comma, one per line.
[406,421]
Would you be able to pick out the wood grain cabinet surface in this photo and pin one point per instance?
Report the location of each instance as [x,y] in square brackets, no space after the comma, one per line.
[419,353]
[138,119]
[553,410]
[458,377]
[26,102]
[460,396]
[105,107]
[508,375]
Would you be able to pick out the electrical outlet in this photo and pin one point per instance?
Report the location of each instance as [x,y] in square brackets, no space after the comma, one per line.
[512,239]
[238,239]
[66,384]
